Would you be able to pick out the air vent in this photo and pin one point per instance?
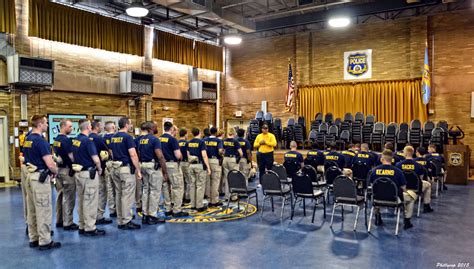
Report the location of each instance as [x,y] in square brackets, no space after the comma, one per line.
[26,71]
[136,83]
[201,90]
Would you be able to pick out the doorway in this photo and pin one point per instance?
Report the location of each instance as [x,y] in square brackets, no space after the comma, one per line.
[4,167]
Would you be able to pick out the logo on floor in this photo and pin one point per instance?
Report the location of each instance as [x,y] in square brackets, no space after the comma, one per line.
[216,214]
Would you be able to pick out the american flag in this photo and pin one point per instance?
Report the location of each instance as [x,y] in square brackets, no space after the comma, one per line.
[290,90]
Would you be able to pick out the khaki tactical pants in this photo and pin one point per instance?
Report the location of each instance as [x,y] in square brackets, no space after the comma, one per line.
[103,196]
[175,186]
[409,201]
[24,186]
[186,175]
[125,184]
[228,164]
[152,185]
[214,180]
[244,167]
[197,185]
[68,200]
[88,193]
[426,192]
[40,211]
[138,194]
[111,190]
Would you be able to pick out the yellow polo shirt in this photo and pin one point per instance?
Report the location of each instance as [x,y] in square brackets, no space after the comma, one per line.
[270,143]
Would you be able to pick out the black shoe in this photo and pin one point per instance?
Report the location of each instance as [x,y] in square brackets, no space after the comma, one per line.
[52,233]
[180,214]
[168,213]
[145,219]
[51,245]
[34,244]
[154,220]
[445,188]
[202,209]
[26,230]
[72,227]
[427,209]
[378,219]
[206,197]
[81,231]
[103,221]
[96,232]
[129,226]
[407,224]
[186,201]
[113,215]
[215,204]
[59,225]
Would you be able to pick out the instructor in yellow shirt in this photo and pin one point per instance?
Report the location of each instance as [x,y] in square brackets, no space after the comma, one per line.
[265,144]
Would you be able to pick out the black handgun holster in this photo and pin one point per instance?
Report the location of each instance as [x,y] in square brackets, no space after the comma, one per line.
[43,175]
[157,166]
[71,172]
[92,172]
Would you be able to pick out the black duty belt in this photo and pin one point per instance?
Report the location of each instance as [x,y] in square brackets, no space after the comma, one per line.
[230,156]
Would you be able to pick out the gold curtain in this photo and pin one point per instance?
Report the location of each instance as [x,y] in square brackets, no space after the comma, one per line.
[389,101]
[7,16]
[65,24]
[173,48]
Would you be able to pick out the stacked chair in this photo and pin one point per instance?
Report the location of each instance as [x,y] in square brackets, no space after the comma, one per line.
[356,127]
[277,129]
[378,134]
[427,130]
[402,136]
[391,133]
[415,133]
[368,129]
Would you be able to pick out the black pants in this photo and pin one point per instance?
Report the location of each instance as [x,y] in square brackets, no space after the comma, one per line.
[265,161]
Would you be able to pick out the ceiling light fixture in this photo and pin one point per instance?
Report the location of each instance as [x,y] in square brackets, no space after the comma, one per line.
[233,39]
[339,22]
[137,10]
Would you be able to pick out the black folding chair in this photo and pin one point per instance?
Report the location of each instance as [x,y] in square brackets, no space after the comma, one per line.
[385,194]
[238,185]
[303,189]
[345,194]
[271,186]
[360,172]
[414,183]
[329,175]
[313,175]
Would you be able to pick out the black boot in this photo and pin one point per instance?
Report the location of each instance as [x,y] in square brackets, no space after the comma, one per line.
[378,219]
[96,232]
[145,219]
[129,226]
[407,224]
[427,208]
[154,220]
[51,245]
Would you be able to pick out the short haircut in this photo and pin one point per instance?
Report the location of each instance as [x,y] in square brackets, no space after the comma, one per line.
[231,131]
[95,124]
[220,132]
[387,155]
[183,132]
[389,145]
[408,150]
[167,126]
[293,144]
[83,124]
[241,133]
[213,130]
[37,119]
[432,146]
[63,122]
[331,145]
[357,145]
[421,150]
[143,126]
[108,125]
[364,147]
[206,132]
[195,131]
[123,122]
[147,126]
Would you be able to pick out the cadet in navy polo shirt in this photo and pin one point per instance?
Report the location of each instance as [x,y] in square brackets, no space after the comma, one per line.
[184,165]
[111,188]
[232,155]
[294,156]
[364,156]
[334,156]
[214,150]
[198,166]
[125,154]
[315,158]
[65,182]
[38,154]
[85,155]
[387,170]
[245,163]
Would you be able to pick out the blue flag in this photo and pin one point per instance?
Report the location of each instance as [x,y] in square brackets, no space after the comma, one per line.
[426,80]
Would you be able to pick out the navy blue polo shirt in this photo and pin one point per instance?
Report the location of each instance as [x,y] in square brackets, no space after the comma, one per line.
[169,144]
[389,171]
[100,145]
[183,147]
[120,143]
[62,146]
[244,145]
[136,140]
[83,149]
[317,156]
[146,148]
[411,165]
[294,156]
[396,159]
[107,138]
[195,148]
[348,156]
[423,162]
[213,145]
[364,157]
[400,155]
[35,148]
[336,157]
[435,156]
[231,147]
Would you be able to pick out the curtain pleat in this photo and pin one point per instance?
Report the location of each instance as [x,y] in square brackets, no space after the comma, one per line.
[389,101]
[73,26]
[173,48]
[7,16]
